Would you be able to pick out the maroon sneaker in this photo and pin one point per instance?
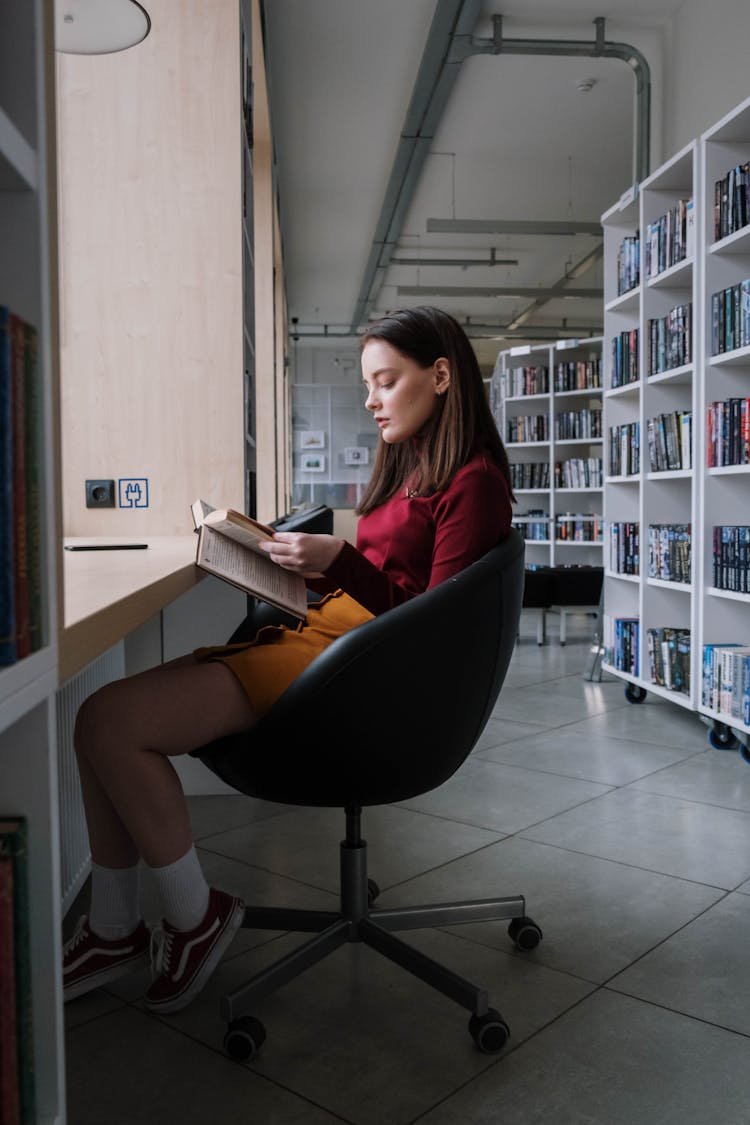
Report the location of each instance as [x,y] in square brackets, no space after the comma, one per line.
[90,961]
[183,960]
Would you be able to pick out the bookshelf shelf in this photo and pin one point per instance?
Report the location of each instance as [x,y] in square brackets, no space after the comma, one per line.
[566,363]
[736,243]
[681,374]
[26,684]
[738,357]
[622,577]
[677,276]
[633,478]
[18,162]
[664,584]
[671,474]
[729,595]
[625,390]
[625,302]
[728,471]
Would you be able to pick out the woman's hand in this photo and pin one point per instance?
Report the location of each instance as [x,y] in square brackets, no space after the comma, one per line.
[308,555]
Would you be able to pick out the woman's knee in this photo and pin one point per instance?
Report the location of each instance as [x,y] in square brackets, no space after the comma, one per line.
[98,717]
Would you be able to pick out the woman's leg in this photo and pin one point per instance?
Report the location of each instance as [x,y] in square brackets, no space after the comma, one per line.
[125,734]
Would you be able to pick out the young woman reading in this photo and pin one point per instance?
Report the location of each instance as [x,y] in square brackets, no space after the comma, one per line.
[439,498]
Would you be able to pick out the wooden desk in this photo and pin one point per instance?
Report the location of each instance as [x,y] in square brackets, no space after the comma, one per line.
[108,594]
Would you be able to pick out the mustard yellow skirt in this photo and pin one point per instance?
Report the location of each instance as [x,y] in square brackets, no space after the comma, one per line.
[268,664]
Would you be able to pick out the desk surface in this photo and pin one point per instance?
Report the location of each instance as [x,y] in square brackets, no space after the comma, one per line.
[108,594]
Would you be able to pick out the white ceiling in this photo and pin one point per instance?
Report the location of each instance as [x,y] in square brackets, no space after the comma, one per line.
[517,140]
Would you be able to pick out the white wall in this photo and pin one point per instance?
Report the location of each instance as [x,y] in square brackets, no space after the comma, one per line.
[707,67]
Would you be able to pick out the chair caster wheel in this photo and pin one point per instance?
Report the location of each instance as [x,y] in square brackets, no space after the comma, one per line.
[525,933]
[244,1038]
[373,890]
[490,1032]
[634,693]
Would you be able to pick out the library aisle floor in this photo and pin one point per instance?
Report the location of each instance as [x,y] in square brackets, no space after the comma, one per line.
[630,838]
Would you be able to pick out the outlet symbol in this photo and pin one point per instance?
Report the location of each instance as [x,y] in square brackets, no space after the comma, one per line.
[133,492]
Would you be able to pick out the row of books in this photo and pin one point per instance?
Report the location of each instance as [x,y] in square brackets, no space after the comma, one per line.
[670,238]
[526,381]
[585,423]
[670,441]
[533,524]
[728,432]
[669,551]
[730,318]
[670,340]
[623,544]
[624,454]
[578,375]
[668,652]
[529,474]
[620,637]
[731,557]
[17,1083]
[731,202]
[20,490]
[725,686]
[527,427]
[579,472]
[629,263]
[625,358]
[578,528]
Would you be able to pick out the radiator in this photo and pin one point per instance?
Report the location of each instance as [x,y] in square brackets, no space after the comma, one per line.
[75,857]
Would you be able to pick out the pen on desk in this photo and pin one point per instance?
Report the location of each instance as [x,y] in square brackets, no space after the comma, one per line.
[106,547]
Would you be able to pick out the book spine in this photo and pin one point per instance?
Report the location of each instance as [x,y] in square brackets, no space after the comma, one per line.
[10,1102]
[7,598]
[33,445]
[14,845]
[20,559]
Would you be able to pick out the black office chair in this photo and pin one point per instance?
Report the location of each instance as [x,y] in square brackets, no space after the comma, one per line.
[324,743]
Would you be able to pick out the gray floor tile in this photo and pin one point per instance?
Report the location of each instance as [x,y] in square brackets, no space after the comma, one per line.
[212,814]
[499,731]
[611,1061]
[596,916]
[592,757]
[304,844]
[370,1042]
[703,970]
[553,705]
[656,721]
[682,838]
[503,798]
[715,777]
[131,1068]
[90,1007]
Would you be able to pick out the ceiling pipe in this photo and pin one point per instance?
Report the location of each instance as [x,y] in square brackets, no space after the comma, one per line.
[449,43]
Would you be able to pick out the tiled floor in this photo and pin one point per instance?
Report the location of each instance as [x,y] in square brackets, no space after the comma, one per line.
[629,837]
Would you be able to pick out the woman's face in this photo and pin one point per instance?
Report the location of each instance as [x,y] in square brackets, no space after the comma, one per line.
[402,395]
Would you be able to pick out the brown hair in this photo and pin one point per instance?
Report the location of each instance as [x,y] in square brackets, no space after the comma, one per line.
[462,423]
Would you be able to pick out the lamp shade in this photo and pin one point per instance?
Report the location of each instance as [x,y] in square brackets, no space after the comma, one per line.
[98,27]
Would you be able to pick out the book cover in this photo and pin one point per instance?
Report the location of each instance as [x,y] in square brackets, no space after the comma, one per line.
[20,558]
[7,598]
[10,1101]
[33,457]
[14,847]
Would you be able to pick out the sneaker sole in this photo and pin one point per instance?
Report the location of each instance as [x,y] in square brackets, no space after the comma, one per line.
[104,976]
[223,941]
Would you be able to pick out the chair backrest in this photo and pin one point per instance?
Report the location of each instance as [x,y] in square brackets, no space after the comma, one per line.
[394,707]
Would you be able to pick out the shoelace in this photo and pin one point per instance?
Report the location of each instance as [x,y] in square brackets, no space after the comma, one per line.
[160,949]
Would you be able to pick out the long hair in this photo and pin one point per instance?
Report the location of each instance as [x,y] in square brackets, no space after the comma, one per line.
[462,423]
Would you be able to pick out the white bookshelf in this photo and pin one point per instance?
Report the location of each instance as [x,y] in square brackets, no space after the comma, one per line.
[694,495]
[583,501]
[28,753]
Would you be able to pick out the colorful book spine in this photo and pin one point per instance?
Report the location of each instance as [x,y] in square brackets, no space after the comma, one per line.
[33,446]
[14,848]
[7,587]
[20,559]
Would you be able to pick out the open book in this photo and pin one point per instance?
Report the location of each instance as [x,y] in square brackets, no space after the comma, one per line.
[228,548]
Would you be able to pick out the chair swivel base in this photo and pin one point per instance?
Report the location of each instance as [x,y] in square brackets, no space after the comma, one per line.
[359,921]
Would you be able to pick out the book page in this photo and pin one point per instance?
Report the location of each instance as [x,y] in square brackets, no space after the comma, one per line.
[241,533]
[252,571]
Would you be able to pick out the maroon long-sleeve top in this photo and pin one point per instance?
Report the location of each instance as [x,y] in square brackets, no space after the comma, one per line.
[410,544]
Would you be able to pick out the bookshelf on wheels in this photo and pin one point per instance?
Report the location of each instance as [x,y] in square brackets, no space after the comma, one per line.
[677,433]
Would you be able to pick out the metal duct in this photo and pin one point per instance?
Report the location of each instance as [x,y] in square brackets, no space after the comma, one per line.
[449,43]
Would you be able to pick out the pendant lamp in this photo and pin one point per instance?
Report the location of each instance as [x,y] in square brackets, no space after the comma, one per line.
[99,27]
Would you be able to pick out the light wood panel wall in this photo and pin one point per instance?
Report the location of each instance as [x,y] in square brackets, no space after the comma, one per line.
[151,285]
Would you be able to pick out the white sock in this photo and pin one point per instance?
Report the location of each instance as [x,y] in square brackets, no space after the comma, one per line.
[183,890]
[114,911]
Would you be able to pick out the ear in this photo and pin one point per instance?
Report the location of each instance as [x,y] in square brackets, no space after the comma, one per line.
[442,375]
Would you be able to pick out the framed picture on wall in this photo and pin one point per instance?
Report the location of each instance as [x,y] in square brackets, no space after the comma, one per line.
[312,439]
[313,463]
[356,455]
